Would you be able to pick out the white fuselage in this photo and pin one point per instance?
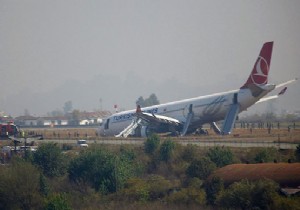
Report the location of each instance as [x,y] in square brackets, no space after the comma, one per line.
[206,109]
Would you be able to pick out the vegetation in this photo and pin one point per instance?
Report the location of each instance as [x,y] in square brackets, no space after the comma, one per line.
[265,155]
[50,160]
[259,194]
[166,150]
[160,175]
[221,156]
[152,144]
[201,168]
[297,153]
[152,100]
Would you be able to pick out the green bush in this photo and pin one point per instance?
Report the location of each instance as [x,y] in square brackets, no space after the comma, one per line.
[152,143]
[166,150]
[221,156]
[19,186]
[190,153]
[151,188]
[213,188]
[192,194]
[136,189]
[57,202]
[102,170]
[265,155]
[66,147]
[50,159]
[249,195]
[201,168]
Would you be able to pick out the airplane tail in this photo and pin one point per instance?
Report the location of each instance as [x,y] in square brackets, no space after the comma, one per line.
[259,74]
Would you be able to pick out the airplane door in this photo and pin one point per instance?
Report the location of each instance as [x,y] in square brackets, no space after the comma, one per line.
[106,126]
[235,98]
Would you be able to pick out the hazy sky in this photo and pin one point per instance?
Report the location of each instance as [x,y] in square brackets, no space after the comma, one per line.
[52,51]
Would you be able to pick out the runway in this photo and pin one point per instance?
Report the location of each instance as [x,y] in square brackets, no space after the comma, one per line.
[228,142]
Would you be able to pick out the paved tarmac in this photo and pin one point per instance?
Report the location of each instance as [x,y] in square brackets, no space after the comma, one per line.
[228,142]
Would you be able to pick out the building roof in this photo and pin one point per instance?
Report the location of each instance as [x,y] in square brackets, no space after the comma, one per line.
[20,118]
[98,114]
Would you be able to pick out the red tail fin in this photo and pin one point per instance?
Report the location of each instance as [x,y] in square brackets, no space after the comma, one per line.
[259,74]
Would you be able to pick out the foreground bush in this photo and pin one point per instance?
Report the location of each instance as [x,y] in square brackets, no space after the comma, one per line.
[192,194]
[201,168]
[101,169]
[249,195]
[153,187]
[19,186]
[50,160]
[221,156]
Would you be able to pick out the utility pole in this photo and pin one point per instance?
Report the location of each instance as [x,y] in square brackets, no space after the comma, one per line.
[100,100]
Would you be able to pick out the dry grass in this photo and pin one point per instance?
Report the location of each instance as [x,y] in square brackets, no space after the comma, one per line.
[286,174]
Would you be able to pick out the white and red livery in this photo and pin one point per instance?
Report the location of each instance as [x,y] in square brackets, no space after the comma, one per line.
[185,116]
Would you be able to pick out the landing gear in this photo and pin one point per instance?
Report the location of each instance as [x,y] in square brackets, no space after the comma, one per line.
[201,131]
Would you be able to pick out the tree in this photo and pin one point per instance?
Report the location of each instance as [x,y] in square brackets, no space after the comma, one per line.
[55,113]
[166,150]
[201,168]
[265,155]
[152,143]
[151,100]
[95,168]
[221,156]
[50,159]
[44,187]
[189,153]
[140,101]
[58,202]
[19,186]
[151,188]
[238,195]
[101,170]
[26,112]
[213,188]
[74,117]
[68,107]
[259,194]
[190,195]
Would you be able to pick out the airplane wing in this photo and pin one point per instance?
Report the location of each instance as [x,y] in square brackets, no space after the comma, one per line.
[155,118]
[144,119]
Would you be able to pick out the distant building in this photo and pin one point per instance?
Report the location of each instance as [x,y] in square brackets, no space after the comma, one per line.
[26,121]
[53,121]
[83,118]
[92,118]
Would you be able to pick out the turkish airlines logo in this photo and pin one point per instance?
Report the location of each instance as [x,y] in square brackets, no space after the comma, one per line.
[260,73]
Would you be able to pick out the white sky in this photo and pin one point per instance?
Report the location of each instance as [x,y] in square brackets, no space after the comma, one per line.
[52,51]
